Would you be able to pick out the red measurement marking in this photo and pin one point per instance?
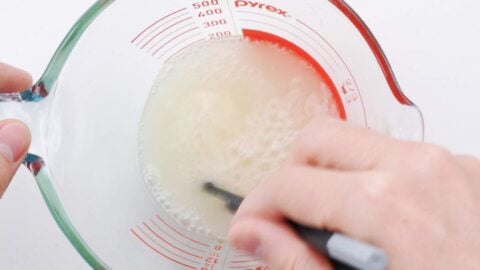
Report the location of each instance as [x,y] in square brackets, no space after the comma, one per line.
[344,64]
[160,253]
[184,48]
[263,36]
[159,20]
[180,242]
[181,234]
[164,248]
[314,47]
[163,31]
[158,27]
[170,244]
[170,34]
[376,49]
[293,34]
[172,39]
[296,28]
[324,40]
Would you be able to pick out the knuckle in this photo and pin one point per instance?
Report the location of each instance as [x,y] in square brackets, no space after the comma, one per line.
[312,139]
[470,161]
[305,148]
[437,153]
[432,157]
[377,189]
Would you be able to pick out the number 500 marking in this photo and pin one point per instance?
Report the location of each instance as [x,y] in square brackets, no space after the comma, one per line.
[204,4]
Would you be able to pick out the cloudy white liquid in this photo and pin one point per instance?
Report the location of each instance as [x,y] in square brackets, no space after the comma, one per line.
[226,111]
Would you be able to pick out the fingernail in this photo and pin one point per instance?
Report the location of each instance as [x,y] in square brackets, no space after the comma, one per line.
[248,244]
[251,246]
[14,140]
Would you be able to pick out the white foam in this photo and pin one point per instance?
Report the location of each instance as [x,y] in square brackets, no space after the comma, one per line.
[226,111]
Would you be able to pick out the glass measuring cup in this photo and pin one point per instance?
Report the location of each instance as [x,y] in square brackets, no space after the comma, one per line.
[90,100]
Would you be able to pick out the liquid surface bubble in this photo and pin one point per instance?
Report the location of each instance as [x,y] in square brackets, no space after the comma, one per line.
[225,111]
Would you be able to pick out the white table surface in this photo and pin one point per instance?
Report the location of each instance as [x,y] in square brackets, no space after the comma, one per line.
[432,46]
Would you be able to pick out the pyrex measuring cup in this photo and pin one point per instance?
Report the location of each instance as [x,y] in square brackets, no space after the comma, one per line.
[85,111]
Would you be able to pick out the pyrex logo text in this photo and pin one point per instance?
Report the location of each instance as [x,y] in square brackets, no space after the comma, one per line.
[253,4]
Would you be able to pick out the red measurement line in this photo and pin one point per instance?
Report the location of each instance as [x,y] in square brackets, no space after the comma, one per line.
[296,28]
[185,47]
[264,36]
[344,64]
[169,251]
[160,253]
[375,48]
[158,27]
[170,244]
[177,36]
[186,245]
[163,31]
[159,20]
[295,35]
[170,34]
[181,234]
[324,40]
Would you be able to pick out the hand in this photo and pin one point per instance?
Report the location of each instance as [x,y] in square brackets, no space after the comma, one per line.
[418,202]
[14,136]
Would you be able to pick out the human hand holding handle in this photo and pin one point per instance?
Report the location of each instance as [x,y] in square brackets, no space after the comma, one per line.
[417,201]
[14,136]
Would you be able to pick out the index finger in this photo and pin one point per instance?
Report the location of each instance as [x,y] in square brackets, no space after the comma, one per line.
[13,79]
[330,143]
[328,199]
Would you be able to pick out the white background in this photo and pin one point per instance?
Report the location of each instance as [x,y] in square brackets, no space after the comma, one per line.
[432,46]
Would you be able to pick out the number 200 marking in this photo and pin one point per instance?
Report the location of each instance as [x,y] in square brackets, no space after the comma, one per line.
[219,34]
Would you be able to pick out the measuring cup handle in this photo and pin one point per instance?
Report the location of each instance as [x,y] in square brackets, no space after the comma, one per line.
[31,107]
[30,112]
[25,106]
[28,106]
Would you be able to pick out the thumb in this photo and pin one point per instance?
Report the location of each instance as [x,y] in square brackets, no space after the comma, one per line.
[276,244]
[13,79]
[14,143]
